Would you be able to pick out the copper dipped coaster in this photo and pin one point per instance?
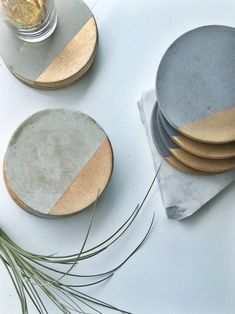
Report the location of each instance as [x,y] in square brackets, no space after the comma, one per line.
[208,165]
[195,84]
[60,60]
[209,151]
[165,152]
[57,163]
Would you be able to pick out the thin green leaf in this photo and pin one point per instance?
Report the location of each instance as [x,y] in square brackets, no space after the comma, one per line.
[26,271]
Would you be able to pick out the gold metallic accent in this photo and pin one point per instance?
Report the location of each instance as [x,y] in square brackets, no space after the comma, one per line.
[219,128]
[24,13]
[92,179]
[76,58]
[181,167]
[202,164]
[210,151]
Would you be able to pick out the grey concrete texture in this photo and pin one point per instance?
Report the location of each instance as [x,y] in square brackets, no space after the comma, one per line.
[161,147]
[196,75]
[167,126]
[47,152]
[29,60]
[163,134]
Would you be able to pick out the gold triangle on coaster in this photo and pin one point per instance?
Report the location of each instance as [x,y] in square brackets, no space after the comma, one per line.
[165,152]
[209,151]
[184,168]
[195,84]
[195,162]
[60,60]
[202,164]
[66,162]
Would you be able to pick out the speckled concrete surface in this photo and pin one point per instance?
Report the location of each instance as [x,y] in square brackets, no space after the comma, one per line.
[47,152]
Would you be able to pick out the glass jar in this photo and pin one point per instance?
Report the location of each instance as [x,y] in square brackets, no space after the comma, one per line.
[32,20]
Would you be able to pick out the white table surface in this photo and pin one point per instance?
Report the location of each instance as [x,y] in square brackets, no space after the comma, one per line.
[185,267]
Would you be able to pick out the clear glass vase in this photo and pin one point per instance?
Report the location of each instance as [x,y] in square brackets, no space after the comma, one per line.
[32,20]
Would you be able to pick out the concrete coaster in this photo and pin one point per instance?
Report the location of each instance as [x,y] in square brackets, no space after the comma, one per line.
[208,165]
[195,84]
[209,151]
[165,152]
[57,162]
[60,60]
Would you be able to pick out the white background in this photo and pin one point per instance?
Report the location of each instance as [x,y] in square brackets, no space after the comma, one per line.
[185,267]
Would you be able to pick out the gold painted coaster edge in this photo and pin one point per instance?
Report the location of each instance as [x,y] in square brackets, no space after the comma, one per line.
[200,153]
[175,163]
[200,166]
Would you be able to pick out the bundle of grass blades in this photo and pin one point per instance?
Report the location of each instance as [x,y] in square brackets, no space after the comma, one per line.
[35,275]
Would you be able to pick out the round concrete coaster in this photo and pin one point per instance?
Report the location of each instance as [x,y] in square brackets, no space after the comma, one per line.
[209,151]
[60,60]
[57,163]
[195,84]
[208,165]
[164,151]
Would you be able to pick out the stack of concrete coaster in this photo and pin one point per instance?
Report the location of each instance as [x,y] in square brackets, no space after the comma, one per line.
[60,60]
[193,122]
[57,163]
